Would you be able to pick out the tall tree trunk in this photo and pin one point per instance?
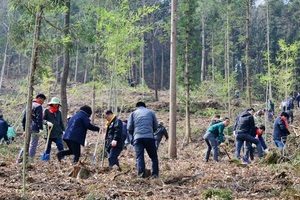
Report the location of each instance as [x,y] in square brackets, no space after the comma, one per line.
[227,62]
[268,51]
[187,90]
[34,65]
[154,67]
[162,69]
[247,51]
[76,64]
[203,63]
[173,65]
[4,62]
[212,59]
[65,72]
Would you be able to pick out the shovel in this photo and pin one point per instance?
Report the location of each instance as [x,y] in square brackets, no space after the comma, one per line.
[46,157]
[96,147]
[224,148]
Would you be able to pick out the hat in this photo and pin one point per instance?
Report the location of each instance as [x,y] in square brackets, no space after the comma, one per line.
[161,123]
[54,100]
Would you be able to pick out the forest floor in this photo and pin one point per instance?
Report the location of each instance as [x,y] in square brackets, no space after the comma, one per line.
[186,177]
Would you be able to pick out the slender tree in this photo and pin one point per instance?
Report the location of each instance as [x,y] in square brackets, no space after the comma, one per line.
[173,65]
[65,72]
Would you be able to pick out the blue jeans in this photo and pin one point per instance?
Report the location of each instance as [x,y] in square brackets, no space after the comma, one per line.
[113,155]
[279,143]
[139,146]
[240,139]
[58,142]
[212,143]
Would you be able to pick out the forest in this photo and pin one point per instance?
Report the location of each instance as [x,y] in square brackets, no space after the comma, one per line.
[129,41]
[113,53]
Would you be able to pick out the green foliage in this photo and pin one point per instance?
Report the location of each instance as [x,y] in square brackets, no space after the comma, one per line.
[224,194]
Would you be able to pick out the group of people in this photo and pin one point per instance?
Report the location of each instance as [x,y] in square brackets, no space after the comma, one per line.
[245,131]
[142,126]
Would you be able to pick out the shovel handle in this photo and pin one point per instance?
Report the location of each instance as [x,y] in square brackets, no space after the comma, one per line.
[49,129]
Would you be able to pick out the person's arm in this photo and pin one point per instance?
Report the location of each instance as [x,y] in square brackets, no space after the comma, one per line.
[166,133]
[61,123]
[39,117]
[155,123]
[118,126]
[90,126]
[221,135]
[130,124]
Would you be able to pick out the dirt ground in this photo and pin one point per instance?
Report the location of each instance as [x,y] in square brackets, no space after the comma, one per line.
[186,177]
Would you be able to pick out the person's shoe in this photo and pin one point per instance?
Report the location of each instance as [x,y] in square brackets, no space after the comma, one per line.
[59,156]
[245,160]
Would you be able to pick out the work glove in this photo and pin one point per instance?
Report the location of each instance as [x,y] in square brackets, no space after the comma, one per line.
[49,124]
[266,151]
[114,143]
[7,142]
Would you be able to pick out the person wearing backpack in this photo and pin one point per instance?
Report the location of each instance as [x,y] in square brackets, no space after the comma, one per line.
[159,133]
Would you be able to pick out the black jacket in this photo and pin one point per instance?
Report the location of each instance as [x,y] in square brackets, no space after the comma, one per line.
[114,132]
[244,123]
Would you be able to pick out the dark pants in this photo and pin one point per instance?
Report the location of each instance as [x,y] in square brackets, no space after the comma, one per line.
[263,145]
[4,136]
[74,149]
[139,146]
[113,154]
[58,142]
[240,139]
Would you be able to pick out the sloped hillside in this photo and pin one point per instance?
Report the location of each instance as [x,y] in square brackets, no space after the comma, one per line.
[186,177]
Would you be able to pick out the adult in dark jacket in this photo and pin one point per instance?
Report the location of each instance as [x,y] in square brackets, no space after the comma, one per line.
[114,142]
[159,133]
[281,130]
[36,126]
[76,133]
[244,130]
[3,129]
[142,123]
[53,115]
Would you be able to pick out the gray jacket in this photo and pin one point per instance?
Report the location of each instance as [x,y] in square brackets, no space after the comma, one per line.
[142,123]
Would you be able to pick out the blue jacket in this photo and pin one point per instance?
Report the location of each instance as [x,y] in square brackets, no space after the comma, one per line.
[280,129]
[36,118]
[142,123]
[3,127]
[78,126]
